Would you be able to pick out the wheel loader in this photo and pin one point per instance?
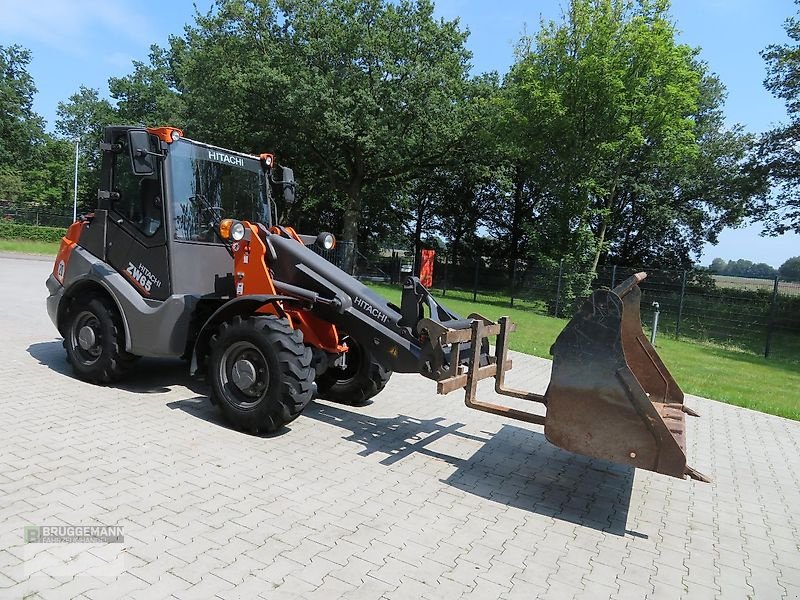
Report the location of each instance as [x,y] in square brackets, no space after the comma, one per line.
[184,257]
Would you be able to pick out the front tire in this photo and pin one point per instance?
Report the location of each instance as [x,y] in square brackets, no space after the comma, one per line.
[94,339]
[359,381]
[260,372]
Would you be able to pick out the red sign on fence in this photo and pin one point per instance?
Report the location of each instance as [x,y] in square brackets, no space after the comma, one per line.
[426,268]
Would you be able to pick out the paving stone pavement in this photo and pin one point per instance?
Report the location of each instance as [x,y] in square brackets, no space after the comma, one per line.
[413,496]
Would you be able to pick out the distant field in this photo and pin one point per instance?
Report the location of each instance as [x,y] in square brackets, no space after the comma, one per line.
[752,283]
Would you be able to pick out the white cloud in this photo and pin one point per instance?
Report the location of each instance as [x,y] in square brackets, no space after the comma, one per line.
[68,25]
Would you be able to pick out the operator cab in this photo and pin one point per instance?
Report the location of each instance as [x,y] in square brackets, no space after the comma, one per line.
[161,196]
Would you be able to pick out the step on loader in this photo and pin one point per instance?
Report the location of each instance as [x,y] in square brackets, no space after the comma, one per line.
[184,256]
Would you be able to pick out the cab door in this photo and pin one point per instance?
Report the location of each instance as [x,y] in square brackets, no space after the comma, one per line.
[136,232]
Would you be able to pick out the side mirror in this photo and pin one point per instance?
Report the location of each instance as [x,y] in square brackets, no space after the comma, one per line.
[288,185]
[141,157]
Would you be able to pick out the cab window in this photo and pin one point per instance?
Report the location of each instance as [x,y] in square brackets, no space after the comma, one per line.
[139,200]
[205,189]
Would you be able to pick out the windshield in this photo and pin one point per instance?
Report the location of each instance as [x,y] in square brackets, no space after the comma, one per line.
[207,184]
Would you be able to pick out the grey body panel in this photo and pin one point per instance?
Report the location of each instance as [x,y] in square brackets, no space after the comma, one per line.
[200,269]
[54,298]
[152,327]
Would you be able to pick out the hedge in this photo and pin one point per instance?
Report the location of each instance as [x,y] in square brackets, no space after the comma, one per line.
[31,232]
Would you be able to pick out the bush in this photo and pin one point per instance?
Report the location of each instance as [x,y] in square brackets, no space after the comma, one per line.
[31,232]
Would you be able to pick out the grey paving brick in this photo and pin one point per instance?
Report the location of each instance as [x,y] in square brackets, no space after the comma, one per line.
[72,588]
[331,589]
[152,571]
[558,590]
[465,573]
[369,588]
[524,590]
[196,570]
[207,587]
[292,585]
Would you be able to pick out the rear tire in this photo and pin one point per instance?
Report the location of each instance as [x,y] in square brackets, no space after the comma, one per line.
[260,372]
[94,339]
[362,379]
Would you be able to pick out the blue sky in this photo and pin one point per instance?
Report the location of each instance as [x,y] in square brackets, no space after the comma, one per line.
[85,42]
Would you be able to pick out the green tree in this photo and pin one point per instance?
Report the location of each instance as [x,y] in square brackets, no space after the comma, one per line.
[21,129]
[780,147]
[744,268]
[790,270]
[49,179]
[82,117]
[763,271]
[150,94]
[622,150]
[718,266]
[354,92]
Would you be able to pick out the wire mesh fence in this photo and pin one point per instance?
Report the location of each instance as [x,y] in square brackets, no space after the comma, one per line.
[761,316]
[41,218]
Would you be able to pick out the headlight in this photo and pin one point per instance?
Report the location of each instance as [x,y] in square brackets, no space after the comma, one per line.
[237,231]
[326,241]
[231,229]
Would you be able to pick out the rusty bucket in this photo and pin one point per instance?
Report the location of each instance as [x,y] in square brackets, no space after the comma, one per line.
[610,395]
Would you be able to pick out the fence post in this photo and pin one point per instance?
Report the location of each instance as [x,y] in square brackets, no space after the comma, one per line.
[613,276]
[680,306]
[656,313]
[558,288]
[444,279]
[771,321]
[475,282]
[513,277]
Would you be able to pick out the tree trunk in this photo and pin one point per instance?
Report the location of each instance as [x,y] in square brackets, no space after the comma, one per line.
[601,235]
[516,217]
[350,219]
[352,213]
[418,236]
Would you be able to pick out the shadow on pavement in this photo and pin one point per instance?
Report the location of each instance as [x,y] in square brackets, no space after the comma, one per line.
[148,376]
[52,355]
[201,408]
[514,466]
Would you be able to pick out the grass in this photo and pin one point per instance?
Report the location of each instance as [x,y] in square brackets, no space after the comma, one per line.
[29,246]
[704,369]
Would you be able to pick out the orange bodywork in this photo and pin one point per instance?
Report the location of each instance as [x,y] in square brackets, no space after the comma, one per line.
[164,133]
[252,276]
[68,244]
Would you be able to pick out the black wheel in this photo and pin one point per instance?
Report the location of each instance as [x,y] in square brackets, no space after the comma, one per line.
[260,372]
[361,379]
[94,339]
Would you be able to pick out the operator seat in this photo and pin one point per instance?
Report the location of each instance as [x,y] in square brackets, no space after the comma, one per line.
[150,203]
